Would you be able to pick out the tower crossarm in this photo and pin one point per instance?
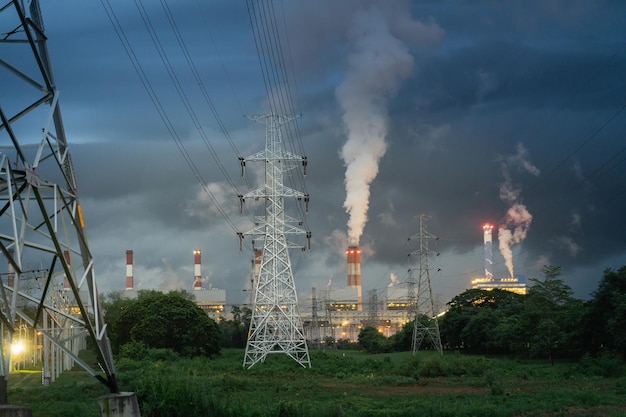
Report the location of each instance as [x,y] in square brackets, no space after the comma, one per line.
[285,192]
[264,156]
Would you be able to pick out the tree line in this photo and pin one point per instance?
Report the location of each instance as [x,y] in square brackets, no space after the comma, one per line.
[548,322]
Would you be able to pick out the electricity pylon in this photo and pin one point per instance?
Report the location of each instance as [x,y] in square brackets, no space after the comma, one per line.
[276,325]
[41,222]
[425,315]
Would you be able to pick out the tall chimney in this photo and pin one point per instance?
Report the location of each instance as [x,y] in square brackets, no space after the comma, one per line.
[129,271]
[66,281]
[354,272]
[487,229]
[197,269]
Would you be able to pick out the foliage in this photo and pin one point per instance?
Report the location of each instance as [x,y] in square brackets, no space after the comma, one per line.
[163,321]
[401,341]
[372,341]
[606,322]
[548,303]
[113,306]
[548,322]
[339,383]
[604,365]
[234,333]
[478,320]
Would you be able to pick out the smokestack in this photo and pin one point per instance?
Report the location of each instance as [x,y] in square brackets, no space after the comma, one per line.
[11,274]
[487,229]
[197,269]
[66,281]
[353,255]
[129,271]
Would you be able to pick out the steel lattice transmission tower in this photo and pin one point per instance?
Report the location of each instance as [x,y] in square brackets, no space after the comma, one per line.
[41,221]
[426,323]
[276,325]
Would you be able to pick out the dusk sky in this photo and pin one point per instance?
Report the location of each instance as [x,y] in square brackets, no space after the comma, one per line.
[509,112]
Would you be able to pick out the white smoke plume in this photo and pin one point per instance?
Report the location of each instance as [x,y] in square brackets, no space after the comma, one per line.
[377,63]
[393,279]
[517,221]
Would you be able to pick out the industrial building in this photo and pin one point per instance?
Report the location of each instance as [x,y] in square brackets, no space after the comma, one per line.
[488,282]
[210,300]
[341,313]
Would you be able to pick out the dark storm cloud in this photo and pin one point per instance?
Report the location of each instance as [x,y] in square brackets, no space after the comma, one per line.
[544,74]
[472,102]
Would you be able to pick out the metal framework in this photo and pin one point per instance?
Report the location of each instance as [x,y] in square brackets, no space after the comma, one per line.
[314,327]
[276,325]
[426,322]
[50,281]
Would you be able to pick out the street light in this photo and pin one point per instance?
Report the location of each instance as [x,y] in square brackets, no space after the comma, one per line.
[17,348]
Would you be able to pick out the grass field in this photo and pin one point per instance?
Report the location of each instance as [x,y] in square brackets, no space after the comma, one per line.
[341,384]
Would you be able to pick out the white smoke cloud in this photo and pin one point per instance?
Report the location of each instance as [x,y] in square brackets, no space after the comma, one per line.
[393,279]
[513,231]
[516,223]
[377,63]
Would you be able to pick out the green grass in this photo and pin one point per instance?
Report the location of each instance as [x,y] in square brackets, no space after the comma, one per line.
[339,383]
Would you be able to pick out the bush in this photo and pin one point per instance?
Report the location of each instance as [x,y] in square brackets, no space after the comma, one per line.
[605,365]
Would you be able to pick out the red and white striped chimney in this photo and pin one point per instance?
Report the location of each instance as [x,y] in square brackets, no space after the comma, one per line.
[66,281]
[258,257]
[197,269]
[354,272]
[130,284]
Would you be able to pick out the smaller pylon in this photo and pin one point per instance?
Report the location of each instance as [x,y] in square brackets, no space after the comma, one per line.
[426,322]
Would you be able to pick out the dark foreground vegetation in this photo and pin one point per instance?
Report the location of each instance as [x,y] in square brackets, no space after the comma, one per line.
[341,383]
[541,354]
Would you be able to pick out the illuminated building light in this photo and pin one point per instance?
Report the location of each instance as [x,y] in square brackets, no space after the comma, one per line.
[506,284]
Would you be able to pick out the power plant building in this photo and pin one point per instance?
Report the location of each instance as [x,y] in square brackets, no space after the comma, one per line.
[211,300]
[341,313]
[515,284]
[488,282]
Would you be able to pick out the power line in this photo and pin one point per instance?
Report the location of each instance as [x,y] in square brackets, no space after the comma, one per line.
[119,30]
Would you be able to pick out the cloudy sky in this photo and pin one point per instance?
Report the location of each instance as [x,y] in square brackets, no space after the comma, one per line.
[508,112]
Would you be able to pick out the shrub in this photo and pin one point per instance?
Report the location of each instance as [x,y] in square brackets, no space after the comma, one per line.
[605,365]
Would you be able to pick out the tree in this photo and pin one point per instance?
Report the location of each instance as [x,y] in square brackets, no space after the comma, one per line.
[607,314]
[552,315]
[169,321]
[372,341]
[113,305]
[477,319]
[401,341]
[234,333]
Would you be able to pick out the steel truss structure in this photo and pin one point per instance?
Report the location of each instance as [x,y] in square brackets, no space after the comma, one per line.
[50,281]
[276,325]
[426,323]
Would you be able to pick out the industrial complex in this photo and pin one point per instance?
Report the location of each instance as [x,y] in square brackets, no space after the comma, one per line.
[338,313]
